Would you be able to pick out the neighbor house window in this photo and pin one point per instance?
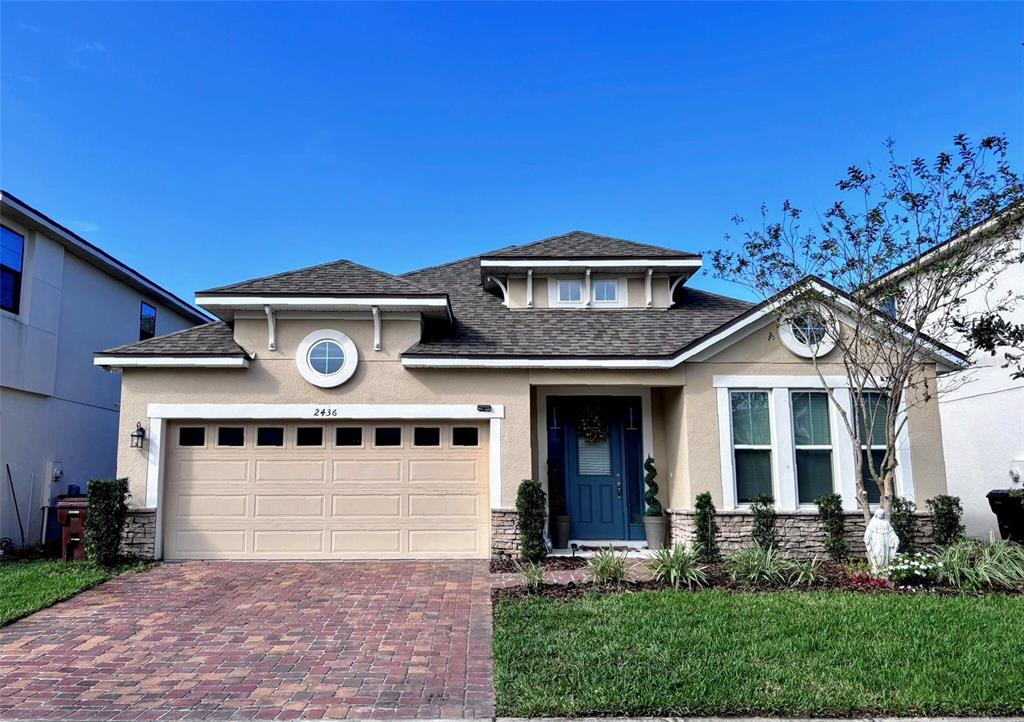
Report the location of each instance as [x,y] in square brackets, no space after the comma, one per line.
[570,291]
[871,430]
[606,291]
[147,322]
[752,444]
[12,253]
[812,440]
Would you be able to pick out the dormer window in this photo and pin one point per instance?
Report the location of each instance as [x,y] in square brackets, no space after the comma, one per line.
[606,291]
[570,291]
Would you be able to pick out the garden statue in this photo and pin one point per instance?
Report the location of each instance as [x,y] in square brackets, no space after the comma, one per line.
[881,541]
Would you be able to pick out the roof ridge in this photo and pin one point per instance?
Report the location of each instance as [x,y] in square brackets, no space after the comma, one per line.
[590,234]
[335,263]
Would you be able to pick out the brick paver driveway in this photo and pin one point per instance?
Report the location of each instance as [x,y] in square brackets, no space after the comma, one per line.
[262,640]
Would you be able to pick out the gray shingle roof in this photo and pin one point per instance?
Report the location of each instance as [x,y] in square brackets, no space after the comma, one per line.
[484,327]
[210,339]
[337,278]
[580,244]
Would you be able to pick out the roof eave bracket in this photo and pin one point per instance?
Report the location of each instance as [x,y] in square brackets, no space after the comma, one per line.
[271,328]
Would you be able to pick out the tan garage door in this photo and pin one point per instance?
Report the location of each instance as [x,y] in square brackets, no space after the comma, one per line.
[296,490]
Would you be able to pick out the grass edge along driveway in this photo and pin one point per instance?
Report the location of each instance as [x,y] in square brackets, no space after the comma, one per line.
[30,585]
[672,653]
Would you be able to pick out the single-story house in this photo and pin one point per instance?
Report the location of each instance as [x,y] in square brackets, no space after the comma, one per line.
[339,412]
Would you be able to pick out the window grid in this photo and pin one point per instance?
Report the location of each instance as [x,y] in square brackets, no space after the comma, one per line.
[764,446]
[570,290]
[810,449]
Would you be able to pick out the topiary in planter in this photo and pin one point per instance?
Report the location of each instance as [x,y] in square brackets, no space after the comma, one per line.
[104,525]
[705,541]
[531,503]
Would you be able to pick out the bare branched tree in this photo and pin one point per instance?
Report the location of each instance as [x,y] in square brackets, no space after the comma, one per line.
[857,282]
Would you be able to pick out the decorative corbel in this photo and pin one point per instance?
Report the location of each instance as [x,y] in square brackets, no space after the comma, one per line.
[648,290]
[529,288]
[271,328]
[586,288]
[503,287]
[673,287]
[376,328]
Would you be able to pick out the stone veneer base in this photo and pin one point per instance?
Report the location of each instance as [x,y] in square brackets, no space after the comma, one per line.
[800,532]
[504,536]
[139,537]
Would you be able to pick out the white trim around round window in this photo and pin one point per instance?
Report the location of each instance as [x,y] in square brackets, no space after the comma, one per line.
[335,362]
[794,339]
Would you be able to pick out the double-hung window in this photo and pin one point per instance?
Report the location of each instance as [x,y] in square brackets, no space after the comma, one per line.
[12,254]
[812,442]
[752,444]
[570,291]
[606,291]
[871,430]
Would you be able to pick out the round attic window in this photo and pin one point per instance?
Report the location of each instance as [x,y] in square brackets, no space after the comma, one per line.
[806,335]
[326,358]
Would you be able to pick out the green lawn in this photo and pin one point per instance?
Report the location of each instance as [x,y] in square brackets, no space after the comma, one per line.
[719,653]
[31,585]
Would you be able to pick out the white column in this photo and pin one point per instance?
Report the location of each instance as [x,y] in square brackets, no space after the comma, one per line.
[648,291]
[529,288]
[844,449]
[782,451]
[586,288]
[725,450]
[155,480]
[495,463]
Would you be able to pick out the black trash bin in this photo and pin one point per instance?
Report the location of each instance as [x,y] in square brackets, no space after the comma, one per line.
[1009,511]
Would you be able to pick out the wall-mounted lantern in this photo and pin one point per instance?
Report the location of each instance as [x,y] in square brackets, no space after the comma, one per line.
[138,436]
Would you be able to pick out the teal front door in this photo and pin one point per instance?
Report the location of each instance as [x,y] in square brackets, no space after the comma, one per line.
[601,447]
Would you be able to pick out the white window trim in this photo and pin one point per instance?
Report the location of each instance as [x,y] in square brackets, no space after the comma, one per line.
[554,295]
[769,447]
[327,381]
[621,292]
[784,464]
[830,448]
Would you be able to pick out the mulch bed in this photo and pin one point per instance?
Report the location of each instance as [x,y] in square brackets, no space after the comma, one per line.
[506,565]
[831,577]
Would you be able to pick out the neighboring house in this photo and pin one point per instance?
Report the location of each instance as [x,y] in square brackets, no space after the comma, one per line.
[62,298]
[982,409]
[341,412]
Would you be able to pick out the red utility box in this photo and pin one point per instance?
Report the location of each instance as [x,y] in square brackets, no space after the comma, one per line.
[71,514]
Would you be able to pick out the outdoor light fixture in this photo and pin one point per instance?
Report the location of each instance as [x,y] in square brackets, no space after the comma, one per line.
[138,436]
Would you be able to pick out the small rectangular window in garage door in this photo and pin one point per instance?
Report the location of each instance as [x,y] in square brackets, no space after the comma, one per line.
[192,436]
[426,436]
[309,436]
[465,436]
[270,436]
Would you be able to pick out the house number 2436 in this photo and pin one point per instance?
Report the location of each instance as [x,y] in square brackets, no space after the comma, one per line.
[325,412]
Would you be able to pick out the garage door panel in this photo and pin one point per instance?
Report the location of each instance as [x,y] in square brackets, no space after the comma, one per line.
[435,505]
[218,541]
[290,470]
[366,541]
[450,470]
[212,470]
[433,541]
[326,503]
[212,505]
[366,505]
[367,468]
[288,541]
[279,505]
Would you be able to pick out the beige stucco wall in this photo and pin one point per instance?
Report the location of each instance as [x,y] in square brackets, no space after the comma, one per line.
[762,354]
[684,405]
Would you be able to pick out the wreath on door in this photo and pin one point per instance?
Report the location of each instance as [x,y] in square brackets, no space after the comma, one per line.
[591,425]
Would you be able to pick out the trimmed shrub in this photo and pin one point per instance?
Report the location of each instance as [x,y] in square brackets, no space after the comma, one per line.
[833,522]
[678,566]
[607,566]
[651,495]
[104,525]
[706,530]
[904,523]
[531,505]
[946,514]
[763,509]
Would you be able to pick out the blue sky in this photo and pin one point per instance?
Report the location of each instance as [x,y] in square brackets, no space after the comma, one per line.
[206,143]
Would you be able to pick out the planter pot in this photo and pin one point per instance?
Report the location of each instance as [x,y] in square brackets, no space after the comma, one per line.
[656,528]
[560,531]
[1009,511]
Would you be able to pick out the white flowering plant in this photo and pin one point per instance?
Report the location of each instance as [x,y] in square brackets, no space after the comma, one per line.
[913,569]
